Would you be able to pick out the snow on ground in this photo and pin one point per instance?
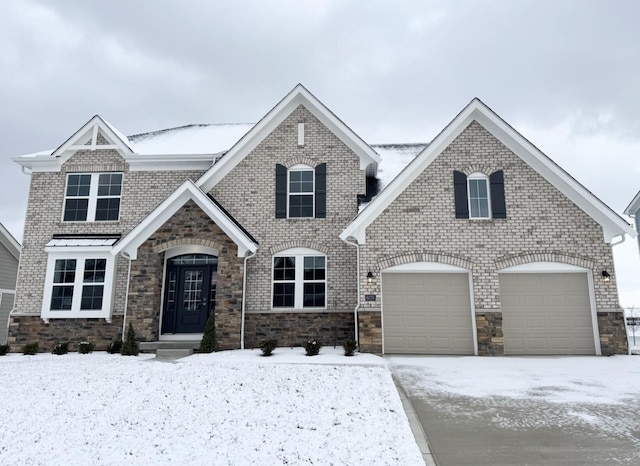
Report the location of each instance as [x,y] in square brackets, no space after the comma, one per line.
[228,408]
[593,393]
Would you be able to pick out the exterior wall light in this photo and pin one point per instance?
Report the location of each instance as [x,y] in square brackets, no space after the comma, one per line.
[369,277]
[605,276]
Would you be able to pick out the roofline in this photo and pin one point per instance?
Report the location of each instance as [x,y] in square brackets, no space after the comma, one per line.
[613,225]
[299,95]
[634,206]
[7,239]
[111,132]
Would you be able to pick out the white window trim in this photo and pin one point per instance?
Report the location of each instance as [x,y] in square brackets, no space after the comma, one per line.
[312,194]
[300,254]
[93,197]
[80,257]
[479,176]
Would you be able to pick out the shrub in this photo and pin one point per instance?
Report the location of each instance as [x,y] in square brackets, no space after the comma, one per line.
[349,347]
[30,348]
[60,348]
[209,343]
[115,346]
[267,346]
[4,349]
[130,347]
[312,347]
[85,347]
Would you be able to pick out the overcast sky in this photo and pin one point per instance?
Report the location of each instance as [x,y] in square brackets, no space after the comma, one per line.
[565,74]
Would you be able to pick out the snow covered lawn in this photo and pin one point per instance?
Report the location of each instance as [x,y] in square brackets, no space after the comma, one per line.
[225,408]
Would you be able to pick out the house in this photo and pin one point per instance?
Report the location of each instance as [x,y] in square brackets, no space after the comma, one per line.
[633,210]
[9,258]
[480,245]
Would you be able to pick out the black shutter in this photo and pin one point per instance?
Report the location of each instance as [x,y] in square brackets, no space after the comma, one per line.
[321,190]
[281,191]
[498,207]
[460,193]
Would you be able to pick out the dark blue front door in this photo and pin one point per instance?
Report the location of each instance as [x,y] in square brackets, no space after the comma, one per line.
[190,286]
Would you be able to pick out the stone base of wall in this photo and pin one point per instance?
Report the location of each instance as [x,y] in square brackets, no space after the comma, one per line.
[28,329]
[292,329]
[489,331]
[370,327]
[613,335]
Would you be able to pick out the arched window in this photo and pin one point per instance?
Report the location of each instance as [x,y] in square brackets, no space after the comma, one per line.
[299,279]
[301,191]
[479,200]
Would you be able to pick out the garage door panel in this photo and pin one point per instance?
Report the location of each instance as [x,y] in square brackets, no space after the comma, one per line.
[546,313]
[427,313]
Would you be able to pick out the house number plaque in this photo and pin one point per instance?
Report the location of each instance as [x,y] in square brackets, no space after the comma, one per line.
[369,297]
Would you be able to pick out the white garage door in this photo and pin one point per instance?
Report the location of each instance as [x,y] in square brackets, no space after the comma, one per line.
[427,313]
[546,313]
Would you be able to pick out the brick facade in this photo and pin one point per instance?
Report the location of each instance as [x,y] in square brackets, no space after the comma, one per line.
[541,225]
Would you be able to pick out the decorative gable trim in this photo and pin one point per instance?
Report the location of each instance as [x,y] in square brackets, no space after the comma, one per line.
[298,96]
[612,224]
[163,212]
[89,137]
[9,242]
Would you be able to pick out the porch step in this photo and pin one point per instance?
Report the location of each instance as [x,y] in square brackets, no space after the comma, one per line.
[169,345]
[173,353]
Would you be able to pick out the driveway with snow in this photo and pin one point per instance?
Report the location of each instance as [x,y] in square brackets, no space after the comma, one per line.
[509,411]
[227,408]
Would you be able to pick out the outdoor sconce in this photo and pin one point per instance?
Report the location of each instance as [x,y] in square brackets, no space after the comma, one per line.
[605,276]
[369,277]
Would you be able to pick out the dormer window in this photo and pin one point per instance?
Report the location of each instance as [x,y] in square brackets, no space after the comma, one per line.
[92,197]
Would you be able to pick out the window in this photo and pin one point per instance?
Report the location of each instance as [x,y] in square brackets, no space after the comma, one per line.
[301,191]
[479,196]
[77,285]
[92,197]
[299,279]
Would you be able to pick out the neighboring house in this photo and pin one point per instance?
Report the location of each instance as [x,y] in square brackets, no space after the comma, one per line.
[9,258]
[481,245]
[633,210]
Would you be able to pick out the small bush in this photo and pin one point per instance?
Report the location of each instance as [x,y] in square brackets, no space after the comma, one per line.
[60,348]
[312,347]
[267,346]
[30,348]
[209,342]
[4,349]
[85,347]
[349,347]
[115,346]
[130,347]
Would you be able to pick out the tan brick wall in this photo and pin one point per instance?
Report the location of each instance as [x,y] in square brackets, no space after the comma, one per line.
[541,224]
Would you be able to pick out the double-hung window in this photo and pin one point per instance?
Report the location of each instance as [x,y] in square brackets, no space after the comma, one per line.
[301,191]
[92,197]
[479,196]
[478,189]
[299,279]
[78,285]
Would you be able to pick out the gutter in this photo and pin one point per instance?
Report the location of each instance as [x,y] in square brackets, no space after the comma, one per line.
[355,311]
[244,294]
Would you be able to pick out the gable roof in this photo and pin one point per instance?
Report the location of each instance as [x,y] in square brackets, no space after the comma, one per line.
[163,212]
[298,96]
[634,206]
[612,224]
[89,132]
[9,242]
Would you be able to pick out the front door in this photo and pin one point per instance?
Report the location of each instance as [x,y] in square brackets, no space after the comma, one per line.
[190,286]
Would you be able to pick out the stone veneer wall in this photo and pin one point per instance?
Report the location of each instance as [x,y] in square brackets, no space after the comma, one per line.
[248,193]
[189,225]
[141,193]
[292,329]
[541,225]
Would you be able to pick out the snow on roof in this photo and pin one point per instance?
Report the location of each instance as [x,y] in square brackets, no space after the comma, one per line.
[190,139]
[66,242]
[395,157]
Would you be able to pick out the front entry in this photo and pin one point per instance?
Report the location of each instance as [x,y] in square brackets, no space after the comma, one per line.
[190,293]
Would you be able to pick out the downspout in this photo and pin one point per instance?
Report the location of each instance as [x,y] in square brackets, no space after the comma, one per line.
[355,311]
[126,296]
[244,293]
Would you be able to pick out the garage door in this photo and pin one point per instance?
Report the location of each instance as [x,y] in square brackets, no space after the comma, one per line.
[546,313]
[427,313]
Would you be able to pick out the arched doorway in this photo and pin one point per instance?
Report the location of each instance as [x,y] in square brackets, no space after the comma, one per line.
[189,293]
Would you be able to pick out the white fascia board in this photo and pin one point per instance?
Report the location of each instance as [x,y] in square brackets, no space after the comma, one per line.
[158,217]
[170,162]
[38,163]
[612,224]
[298,96]
[77,249]
[633,207]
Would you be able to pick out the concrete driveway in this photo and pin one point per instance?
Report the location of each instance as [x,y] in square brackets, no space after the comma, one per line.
[529,430]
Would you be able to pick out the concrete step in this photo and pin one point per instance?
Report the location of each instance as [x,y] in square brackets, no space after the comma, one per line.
[157,345]
[173,353]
